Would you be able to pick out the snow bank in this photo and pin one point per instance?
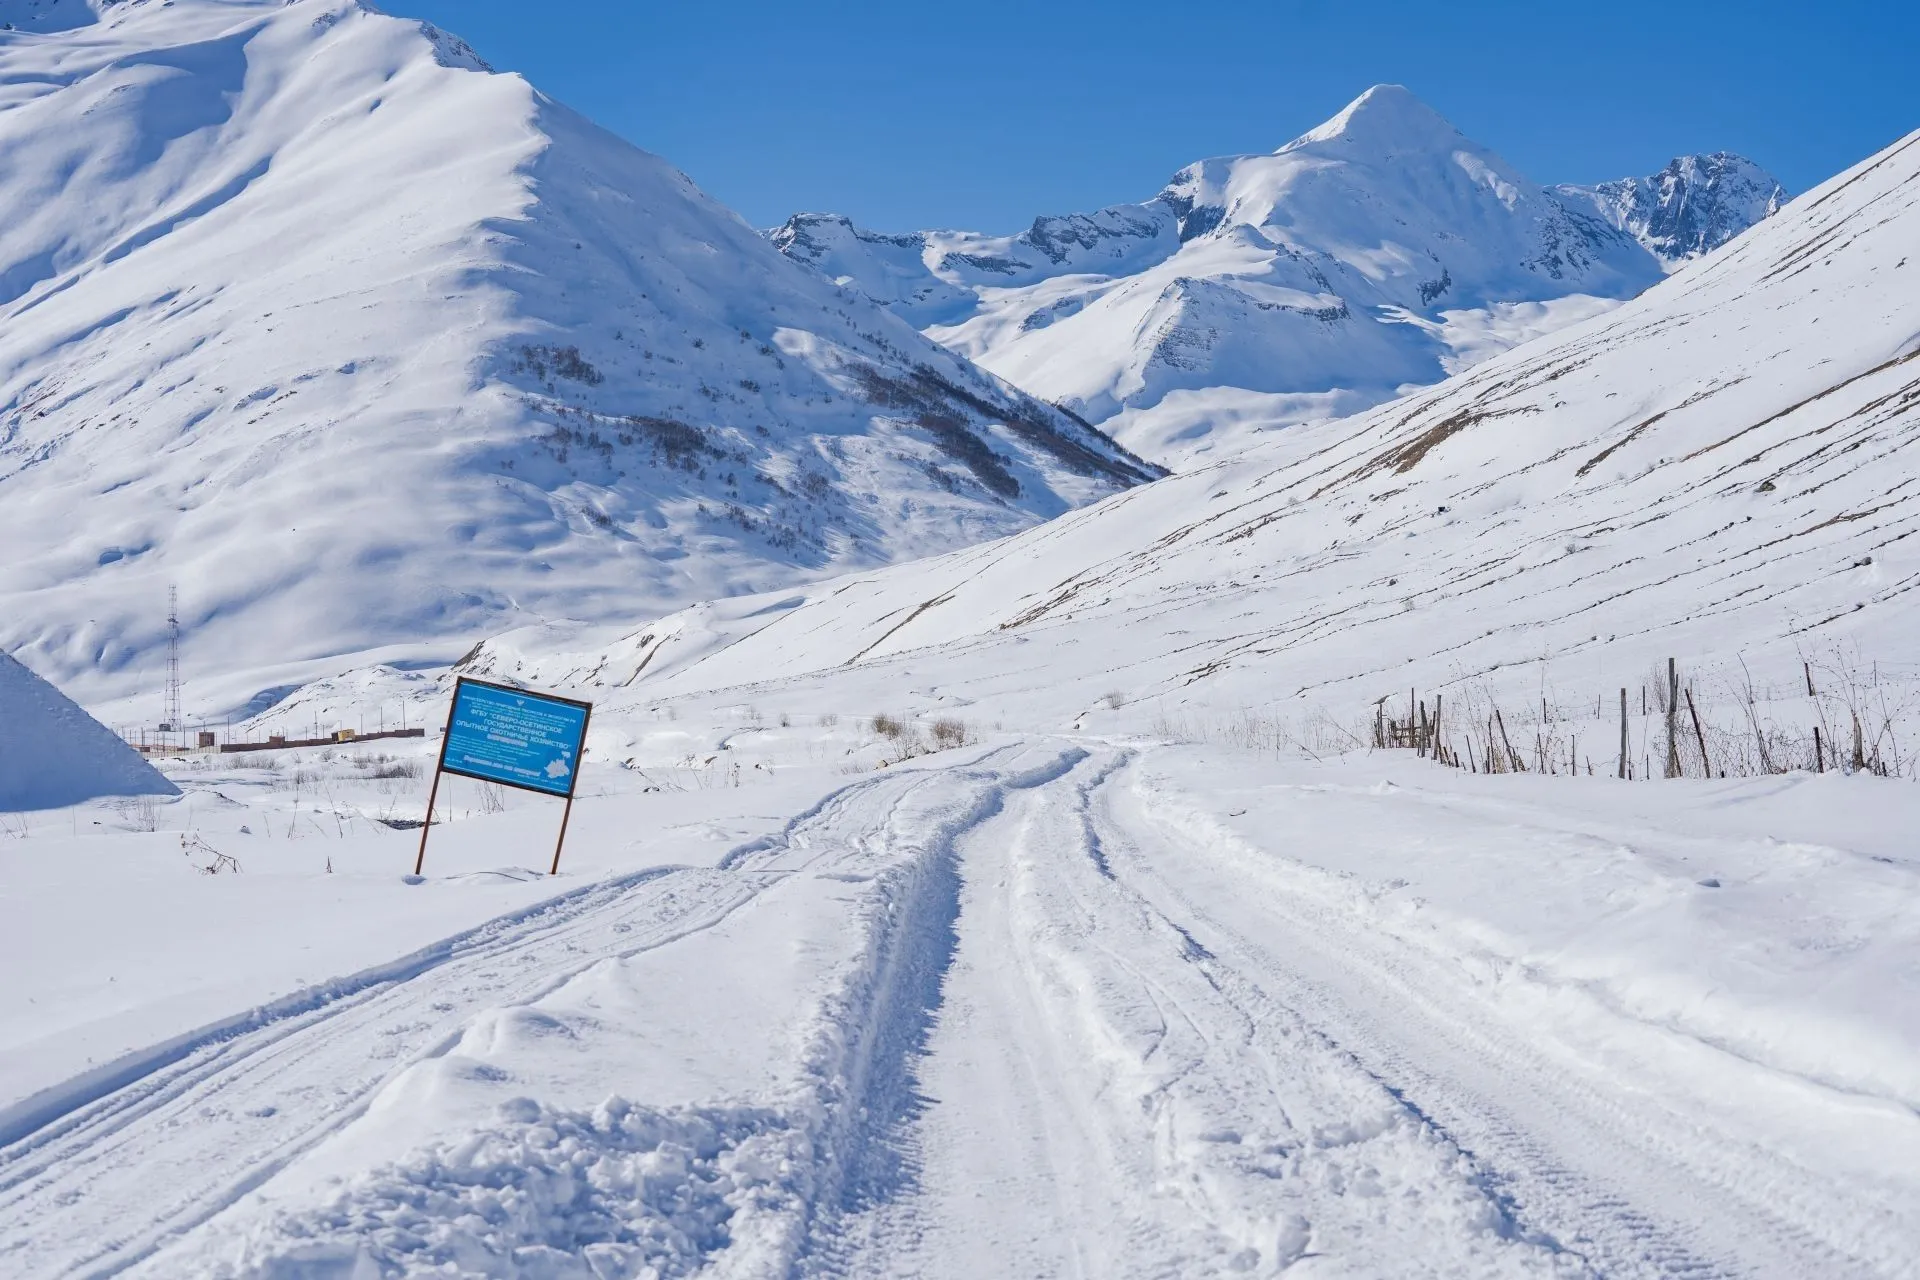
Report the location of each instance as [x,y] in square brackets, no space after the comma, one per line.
[555,1194]
[54,754]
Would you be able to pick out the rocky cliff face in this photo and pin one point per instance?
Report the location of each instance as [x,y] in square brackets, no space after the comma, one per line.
[1688,209]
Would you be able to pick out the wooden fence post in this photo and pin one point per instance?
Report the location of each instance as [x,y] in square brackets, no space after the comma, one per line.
[1705,763]
[1623,733]
[1514,761]
[1673,715]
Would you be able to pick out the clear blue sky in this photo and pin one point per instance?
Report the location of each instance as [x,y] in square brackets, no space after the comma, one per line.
[982,115]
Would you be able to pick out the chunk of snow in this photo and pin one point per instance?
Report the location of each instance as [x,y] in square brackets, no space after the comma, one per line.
[53,754]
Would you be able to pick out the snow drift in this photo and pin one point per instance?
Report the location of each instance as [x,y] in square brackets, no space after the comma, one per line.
[53,754]
[360,343]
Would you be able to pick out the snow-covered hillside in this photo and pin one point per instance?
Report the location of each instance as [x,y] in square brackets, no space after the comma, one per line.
[1688,209]
[1378,252]
[1718,467]
[304,309]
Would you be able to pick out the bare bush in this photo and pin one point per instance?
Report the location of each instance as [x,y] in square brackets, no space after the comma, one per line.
[493,798]
[396,769]
[948,733]
[209,861]
[1316,735]
[890,726]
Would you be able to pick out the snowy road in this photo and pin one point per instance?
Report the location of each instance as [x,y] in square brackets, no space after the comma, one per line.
[1649,1154]
[1164,1050]
[1051,1009]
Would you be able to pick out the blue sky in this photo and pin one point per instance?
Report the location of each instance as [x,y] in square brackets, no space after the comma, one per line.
[986,114]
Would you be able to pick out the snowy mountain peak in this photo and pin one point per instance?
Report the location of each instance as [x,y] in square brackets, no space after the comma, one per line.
[1387,173]
[1690,208]
[1385,117]
[1380,250]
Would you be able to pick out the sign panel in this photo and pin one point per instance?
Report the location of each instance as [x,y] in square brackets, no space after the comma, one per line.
[511,736]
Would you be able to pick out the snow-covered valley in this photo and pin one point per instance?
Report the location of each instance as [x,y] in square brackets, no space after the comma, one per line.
[1031,876]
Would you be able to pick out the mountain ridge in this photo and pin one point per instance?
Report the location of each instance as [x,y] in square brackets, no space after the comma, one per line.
[1690,208]
[1379,251]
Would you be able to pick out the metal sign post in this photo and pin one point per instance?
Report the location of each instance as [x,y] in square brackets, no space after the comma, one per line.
[516,738]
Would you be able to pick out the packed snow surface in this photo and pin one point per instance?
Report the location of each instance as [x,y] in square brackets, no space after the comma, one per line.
[366,347]
[1378,252]
[53,754]
[1042,1005]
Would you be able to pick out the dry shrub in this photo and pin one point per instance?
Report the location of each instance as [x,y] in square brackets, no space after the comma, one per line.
[493,798]
[398,769]
[948,734]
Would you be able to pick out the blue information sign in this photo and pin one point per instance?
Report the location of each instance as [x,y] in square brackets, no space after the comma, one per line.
[511,736]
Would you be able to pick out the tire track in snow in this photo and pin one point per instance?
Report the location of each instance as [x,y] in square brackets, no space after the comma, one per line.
[1100,1096]
[125,1165]
[1629,1182]
[893,1002]
[126,1159]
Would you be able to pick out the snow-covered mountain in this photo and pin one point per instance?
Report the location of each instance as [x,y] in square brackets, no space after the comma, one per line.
[1722,466]
[1688,209]
[305,309]
[1378,252]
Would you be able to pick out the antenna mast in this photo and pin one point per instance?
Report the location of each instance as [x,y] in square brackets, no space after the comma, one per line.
[173,725]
